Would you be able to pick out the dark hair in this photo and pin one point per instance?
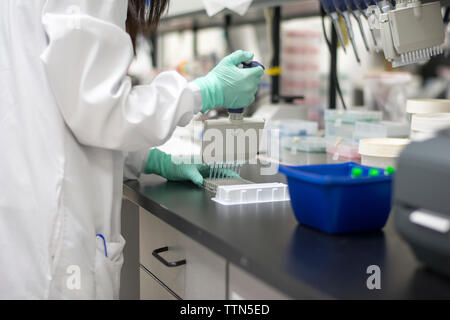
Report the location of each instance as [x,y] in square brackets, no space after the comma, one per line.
[144,19]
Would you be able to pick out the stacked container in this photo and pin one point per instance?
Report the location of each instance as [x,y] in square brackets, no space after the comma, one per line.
[381,152]
[304,151]
[428,117]
[285,132]
[340,131]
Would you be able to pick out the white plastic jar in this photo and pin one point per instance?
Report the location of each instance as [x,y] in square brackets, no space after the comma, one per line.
[426,126]
[381,153]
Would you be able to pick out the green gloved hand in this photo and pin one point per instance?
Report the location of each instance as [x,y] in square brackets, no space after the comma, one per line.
[229,86]
[164,165]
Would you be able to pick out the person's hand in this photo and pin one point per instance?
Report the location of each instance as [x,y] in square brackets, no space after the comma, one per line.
[173,169]
[229,86]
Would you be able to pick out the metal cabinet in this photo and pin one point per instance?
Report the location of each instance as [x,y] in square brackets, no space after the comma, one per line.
[243,286]
[187,268]
[174,266]
[152,289]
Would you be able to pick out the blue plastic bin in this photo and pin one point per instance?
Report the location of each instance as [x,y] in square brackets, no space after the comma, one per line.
[326,197]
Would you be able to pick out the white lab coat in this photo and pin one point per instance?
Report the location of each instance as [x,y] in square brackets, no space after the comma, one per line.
[69,117]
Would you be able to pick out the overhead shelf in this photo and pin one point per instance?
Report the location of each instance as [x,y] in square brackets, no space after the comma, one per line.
[183,8]
[183,17]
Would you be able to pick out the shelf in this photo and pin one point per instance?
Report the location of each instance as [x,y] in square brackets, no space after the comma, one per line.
[183,8]
[200,20]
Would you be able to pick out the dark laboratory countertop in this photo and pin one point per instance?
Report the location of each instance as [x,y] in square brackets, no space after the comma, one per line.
[266,241]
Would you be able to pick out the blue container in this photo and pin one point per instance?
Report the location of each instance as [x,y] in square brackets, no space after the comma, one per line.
[326,197]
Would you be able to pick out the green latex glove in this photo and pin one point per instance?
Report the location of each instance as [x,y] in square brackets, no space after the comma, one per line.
[162,164]
[229,86]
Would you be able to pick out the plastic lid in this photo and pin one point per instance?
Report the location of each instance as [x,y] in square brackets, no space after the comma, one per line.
[430,122]
[424,106]
[389,148]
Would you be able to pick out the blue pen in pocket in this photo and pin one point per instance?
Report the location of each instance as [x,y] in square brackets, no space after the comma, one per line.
[104,243]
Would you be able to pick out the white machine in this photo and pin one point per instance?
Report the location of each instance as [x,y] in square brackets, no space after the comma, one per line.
[411,32]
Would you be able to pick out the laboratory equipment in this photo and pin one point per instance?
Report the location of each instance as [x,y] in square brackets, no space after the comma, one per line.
[381,153]
[281,112]
[341,8]
[251,193]
[341,123]
[426,126]
[411,32]
[373,11]
[388,92]
[340,149]
[285,131]
[426,106]
[422,202]
[212,184]
[384,129]
[351,6]
[328,198]
[330,10]
[294,128]
[298,151]
[306,144]
[228,144]
[363,8]
[340,131]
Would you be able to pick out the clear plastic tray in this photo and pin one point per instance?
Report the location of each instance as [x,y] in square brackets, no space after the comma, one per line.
[364,130]
[293,128]
[342,124]
[341,149]
[251,193]
[352,116]
[305,144]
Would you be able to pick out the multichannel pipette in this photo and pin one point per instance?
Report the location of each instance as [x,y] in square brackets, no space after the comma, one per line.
[341,8]
[364,9]
[330,9]
[351,6]
[228,144]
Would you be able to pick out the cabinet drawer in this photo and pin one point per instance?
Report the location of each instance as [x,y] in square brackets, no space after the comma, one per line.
[202,277]
[152,289]
[244,286]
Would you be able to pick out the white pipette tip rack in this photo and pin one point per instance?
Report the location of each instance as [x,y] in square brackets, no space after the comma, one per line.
[251,193]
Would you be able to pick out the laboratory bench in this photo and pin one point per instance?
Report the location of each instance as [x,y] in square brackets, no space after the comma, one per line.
[183,245]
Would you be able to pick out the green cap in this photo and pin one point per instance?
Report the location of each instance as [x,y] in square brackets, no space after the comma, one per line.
[374,172]
[357,172]
[389,171]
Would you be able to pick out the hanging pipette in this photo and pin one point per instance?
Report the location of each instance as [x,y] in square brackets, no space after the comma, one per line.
[330,9]
[341,8]
[364,9]
[351,6]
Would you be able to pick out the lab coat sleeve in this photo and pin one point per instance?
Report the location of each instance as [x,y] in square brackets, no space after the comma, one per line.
[135,163]
[86,61]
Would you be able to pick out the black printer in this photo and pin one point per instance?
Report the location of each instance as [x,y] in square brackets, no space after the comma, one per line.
[422,200]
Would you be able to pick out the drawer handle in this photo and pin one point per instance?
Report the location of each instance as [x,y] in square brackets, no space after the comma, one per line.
[164,261]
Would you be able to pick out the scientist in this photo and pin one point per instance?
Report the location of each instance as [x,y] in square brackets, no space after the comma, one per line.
[69,121]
